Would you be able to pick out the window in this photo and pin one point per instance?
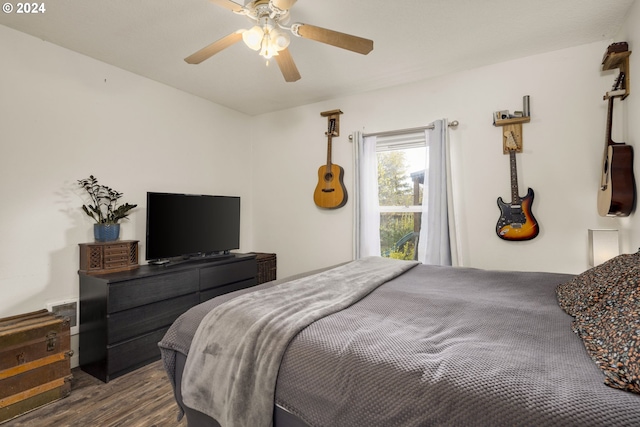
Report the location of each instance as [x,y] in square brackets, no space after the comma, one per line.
[401,171]
[397,199]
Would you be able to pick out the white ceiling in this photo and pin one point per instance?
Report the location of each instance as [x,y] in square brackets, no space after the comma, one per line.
[413,40]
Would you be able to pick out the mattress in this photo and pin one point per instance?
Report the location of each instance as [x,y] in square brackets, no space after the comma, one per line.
[435,346]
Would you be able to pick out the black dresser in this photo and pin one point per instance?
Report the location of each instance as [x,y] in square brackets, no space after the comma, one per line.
[124,315]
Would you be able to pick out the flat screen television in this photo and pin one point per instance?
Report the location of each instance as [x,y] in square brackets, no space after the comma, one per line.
[190,225]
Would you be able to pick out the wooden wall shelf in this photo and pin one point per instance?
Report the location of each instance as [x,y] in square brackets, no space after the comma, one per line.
[620,60]
[615,60]
[512,127]
[513,121]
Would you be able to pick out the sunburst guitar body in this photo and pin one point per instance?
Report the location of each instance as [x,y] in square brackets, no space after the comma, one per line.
[516,220]
[330,192]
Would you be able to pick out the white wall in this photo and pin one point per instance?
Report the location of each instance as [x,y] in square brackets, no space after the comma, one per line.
[563,146]
[64,116]
[288,148]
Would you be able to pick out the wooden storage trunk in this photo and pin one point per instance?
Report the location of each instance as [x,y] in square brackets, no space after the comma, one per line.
[267,267]
[35,365]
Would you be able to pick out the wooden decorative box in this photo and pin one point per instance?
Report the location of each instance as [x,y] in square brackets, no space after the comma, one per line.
[108,257]
[267,267]
[35,365]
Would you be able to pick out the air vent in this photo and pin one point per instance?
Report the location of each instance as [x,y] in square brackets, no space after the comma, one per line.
[67,308]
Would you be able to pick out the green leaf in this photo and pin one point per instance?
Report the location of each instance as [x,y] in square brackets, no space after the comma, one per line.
[105,207]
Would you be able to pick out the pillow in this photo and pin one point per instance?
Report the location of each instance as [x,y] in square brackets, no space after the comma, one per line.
[588,288]
[610,331]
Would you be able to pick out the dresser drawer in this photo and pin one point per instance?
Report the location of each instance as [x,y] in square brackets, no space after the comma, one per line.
[116,256]
[220,290]
[213,277]
[115,263]
[133,293]
[132,354]
[140,320]
[116,250]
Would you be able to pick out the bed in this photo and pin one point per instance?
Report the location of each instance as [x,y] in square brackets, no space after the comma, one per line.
[436,346]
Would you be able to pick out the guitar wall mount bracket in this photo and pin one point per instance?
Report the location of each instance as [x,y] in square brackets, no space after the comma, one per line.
[333,114]
[617,56]
[513,126]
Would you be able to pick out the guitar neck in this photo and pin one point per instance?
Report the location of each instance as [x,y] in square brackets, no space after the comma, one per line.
[329,151]
[619,84]
[608,140]
[515,198]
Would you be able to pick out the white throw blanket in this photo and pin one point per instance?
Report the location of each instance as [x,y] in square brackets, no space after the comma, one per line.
[233,363]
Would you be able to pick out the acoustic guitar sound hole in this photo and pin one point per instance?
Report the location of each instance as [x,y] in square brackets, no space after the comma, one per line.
[328,176]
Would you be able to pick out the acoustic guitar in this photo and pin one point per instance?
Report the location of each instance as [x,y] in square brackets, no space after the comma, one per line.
[330,193]
[516,220]
[617,195]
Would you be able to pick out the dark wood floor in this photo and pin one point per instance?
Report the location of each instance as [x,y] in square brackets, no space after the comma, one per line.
[143,398]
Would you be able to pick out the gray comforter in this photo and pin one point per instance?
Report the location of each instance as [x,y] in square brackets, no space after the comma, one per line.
[444,346]
[232,370]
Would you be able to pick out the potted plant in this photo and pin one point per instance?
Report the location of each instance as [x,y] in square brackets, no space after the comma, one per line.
[104,209]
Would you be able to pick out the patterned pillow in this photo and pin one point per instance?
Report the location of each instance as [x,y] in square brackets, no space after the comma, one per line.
[611,332]
[587,289]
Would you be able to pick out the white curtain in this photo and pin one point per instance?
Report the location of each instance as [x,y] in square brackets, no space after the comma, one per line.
[437,243]
[367,210]
[434,244]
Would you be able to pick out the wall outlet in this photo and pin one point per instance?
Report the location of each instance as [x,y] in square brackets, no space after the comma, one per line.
[67,308]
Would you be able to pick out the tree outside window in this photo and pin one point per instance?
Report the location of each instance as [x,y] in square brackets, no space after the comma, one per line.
[400,192]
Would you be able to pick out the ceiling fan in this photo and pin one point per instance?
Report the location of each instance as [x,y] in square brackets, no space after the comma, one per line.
[269,35]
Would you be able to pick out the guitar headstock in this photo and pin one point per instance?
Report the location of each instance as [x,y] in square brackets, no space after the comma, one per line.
[618,88]
[511,143]
[332,127]
[619,82]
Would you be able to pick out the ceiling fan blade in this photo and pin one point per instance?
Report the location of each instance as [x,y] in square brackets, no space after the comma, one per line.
[287,66]
[228,4]
[334,38]
[213,48]
[283,4]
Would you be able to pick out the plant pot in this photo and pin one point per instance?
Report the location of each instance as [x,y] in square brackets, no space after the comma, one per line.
[106,232]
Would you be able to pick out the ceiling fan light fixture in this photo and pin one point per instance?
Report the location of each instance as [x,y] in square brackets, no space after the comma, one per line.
[253,38]
[273,40]
[280,39]
[269,48]
[268,54]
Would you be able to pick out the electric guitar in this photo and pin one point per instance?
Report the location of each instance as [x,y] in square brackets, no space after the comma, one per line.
[516,219]
[330,193]
[617,193]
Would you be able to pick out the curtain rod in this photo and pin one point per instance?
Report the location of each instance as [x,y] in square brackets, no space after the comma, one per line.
[453,124]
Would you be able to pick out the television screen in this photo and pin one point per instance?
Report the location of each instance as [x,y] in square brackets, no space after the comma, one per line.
[189,224]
